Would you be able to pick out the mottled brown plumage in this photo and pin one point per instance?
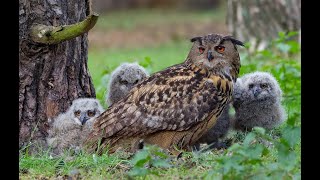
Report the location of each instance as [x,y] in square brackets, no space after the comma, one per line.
[176,106]
[217,132]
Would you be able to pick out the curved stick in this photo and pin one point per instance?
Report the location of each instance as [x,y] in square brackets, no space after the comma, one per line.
[55,34]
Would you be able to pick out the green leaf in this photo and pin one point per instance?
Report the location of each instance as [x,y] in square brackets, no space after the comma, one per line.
[292,119]
[234,147]
[95,159]
[160,154]
[286,156]
[292,33]
[287,159]
[147,59]
[265,151]
[160,163]
[154,172]
[283,47]
[254,161]
[229,165]
[138,172]
[259,130]
[106,70]
[145,62]
[249,138]
[255,152]
[141,158]
[210,175]
[141,162]
[266,53]
[238,167]
[294,46]
[247,45]
[282,34]
[292,135]
[283,142]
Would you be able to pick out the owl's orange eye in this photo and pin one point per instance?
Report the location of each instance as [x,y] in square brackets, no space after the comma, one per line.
[220,49]
[201,49]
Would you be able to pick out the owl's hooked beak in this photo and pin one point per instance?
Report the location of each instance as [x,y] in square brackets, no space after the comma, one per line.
[210,56]
[84,118]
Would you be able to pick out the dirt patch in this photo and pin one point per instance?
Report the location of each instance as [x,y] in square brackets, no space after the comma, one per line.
[152,35]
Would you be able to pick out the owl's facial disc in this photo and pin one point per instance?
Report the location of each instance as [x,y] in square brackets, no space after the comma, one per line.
[215,51]
[210,55]
[81,117]
[87,116]
[77,120]
[77,115]
[256,90]
[260,91]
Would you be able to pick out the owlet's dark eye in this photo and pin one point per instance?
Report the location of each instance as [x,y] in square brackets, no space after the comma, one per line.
[263,86]
[77,113]
[220,49]
[91,113]
[201,50]
[124,82]
[250,86]
[136,81]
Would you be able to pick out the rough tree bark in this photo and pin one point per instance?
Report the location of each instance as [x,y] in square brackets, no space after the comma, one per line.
[259,21]
[52,74]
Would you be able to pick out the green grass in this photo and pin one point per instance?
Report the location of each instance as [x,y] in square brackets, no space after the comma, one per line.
[143,17]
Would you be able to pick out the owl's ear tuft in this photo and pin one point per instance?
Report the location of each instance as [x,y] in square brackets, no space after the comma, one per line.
[198,38]
[233,40]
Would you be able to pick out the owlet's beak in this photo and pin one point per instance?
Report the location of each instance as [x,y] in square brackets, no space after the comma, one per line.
[256,91]
[210,56]
[84,118]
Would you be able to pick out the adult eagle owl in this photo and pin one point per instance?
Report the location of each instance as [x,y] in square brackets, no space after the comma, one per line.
[172,108]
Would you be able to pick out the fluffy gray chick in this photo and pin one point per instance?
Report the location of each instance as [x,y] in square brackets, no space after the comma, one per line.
[70,129]
[257,102]
[123,78]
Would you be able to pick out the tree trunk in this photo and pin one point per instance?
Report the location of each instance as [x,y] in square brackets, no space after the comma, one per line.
[51,75]
[260,21]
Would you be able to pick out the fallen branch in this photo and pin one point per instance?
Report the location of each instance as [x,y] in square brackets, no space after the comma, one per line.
[55,34]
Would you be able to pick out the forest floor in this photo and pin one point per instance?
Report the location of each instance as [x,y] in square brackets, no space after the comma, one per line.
[158,39]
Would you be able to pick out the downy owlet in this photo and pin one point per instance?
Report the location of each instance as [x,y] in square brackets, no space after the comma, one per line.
[257,102]
[123,79]
[69,129]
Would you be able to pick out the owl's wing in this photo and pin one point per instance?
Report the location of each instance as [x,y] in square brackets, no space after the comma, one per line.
[174,99]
